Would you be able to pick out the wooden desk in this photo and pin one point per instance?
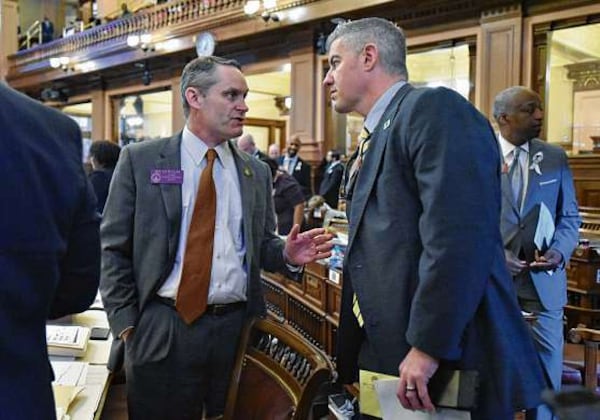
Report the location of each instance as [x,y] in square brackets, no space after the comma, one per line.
[88,404]
[591,338]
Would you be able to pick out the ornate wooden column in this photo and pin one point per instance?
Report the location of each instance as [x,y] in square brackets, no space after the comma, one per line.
[98,115]
[177,117]
[500,54]
[9,20]
[303,85]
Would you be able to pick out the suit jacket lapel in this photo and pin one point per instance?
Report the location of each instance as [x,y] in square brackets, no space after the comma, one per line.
[368,171]
[246,179]
[170,158]
[533,181]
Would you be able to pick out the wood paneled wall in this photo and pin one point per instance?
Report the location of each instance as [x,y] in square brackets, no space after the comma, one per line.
[586,176]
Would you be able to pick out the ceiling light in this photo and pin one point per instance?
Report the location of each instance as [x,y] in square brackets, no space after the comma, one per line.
[251,7]
[133,40]
[55,62]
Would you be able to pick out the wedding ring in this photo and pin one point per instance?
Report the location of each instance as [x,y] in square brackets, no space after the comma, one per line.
[410,388]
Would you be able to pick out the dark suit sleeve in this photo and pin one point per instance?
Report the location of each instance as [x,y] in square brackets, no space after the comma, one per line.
[567,214]
[80,266]
[456,167]
[117,285]
[271,245]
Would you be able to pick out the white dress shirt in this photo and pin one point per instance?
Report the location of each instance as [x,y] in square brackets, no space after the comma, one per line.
[508,156]
[228,275]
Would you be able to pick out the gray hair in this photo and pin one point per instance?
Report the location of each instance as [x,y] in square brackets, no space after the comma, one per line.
[388,38]
[503,101]
[200,73]
[247,137]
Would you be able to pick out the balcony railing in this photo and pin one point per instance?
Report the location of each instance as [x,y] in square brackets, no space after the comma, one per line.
[201,12]
[105,45]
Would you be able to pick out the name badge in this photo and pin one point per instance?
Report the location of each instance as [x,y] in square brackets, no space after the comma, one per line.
[166,176]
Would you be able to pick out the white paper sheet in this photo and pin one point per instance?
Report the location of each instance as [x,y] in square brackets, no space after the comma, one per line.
[544,231]
[392,410]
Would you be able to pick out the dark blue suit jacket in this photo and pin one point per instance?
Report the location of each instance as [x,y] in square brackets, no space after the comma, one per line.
[425,255]
[49,246]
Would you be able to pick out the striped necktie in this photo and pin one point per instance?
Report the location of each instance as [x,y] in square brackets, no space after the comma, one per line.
[515,174]
[356,311]
[356,160]
[355,165]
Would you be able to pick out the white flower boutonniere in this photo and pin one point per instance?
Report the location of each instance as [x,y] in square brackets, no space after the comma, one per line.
[535,162]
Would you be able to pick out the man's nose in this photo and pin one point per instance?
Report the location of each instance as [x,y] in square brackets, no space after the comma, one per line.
[327,80]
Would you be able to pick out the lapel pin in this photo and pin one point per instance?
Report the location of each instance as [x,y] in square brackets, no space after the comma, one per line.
[247,172]
[386,124]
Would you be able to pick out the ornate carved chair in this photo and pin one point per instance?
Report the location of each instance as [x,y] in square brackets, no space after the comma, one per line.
[277,374]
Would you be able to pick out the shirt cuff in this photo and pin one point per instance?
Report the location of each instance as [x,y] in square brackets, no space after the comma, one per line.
[124,331]
[291,267]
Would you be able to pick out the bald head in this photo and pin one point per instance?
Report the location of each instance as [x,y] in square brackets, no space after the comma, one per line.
[519,113]
[274,151]
[246,143]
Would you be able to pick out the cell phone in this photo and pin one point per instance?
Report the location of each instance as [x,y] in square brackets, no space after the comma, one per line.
[99,333]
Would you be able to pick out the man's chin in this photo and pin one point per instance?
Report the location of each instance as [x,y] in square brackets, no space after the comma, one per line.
[340,108]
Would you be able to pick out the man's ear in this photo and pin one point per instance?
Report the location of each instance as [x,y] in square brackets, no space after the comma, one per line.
[503,119]
[370,56]
[194,98]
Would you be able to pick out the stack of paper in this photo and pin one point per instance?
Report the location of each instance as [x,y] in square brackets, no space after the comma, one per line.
[69,380]
[67,340]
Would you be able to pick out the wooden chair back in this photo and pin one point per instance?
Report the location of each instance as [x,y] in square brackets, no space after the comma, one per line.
[277,374]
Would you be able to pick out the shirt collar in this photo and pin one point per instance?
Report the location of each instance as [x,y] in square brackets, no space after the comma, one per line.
[381,104]
[196,148]
[507,147]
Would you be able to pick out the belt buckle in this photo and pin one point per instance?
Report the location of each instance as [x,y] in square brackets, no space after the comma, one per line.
[218,309]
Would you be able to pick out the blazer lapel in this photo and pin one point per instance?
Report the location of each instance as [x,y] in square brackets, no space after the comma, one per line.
[246,178]
[368,172]
[170,158]
[533,181]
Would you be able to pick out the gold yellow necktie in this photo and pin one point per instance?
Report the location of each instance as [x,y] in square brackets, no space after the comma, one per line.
[192,294]
[356,161]
[363,146]
[356,310]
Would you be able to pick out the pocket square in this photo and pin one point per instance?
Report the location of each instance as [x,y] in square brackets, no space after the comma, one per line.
[550,181]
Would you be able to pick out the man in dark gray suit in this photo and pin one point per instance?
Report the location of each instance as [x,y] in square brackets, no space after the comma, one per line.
[424,259]
[178,367]
[536,186]
[49,246]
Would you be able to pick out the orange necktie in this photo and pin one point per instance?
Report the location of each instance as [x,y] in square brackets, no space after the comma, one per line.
[197,261]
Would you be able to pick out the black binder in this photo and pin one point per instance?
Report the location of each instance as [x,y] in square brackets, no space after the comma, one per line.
[456,389]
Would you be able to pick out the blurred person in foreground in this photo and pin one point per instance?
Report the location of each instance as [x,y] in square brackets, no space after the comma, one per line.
[425,284]
[49,246]
[188,225]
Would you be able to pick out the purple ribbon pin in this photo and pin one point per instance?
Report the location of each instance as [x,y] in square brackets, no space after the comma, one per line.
[166,176]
